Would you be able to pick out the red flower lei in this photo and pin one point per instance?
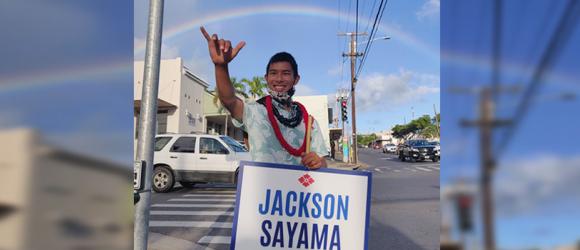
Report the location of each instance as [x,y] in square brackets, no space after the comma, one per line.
[276,127]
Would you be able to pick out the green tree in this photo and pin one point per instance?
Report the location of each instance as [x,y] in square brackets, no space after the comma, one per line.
[366,139]
[430,131]
[239,88]
[257,86]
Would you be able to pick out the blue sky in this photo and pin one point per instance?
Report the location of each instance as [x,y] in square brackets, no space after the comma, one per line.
[400,76]
[66,71]
[536,183]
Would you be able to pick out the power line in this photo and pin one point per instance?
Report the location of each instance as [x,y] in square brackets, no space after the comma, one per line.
[356,26]
[372,11]
[378,17]
[560,37]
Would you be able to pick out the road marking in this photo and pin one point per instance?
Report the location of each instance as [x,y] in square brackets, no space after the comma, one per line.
[426,165]
[202,200]
[210,195]
[214,192]
[215,240]
[414,170]
[203,224]
[209,213]
[378,170]
[397,170]
[423,169]
[195,205]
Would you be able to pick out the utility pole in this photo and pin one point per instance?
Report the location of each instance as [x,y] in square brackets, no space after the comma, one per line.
[437,122]
[353,55]
[487,167]
[486,124]
[147,121]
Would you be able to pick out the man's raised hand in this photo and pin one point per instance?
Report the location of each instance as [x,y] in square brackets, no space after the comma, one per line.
[220,50]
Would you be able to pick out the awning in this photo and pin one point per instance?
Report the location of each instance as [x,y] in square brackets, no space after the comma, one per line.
[161,105]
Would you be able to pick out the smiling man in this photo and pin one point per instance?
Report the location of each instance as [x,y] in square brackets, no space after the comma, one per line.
[276,125]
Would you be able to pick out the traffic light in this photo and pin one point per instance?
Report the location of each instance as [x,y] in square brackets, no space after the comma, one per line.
[464,204]
[344,115]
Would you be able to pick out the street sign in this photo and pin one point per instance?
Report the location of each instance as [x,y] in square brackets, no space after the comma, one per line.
[138,168]
[289,207]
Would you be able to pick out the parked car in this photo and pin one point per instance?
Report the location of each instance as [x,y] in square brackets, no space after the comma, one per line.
[389,148]
[195,158]
[415,150]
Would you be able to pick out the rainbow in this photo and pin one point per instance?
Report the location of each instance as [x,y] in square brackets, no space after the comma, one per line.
[483,64]
[65,75]
[302,10]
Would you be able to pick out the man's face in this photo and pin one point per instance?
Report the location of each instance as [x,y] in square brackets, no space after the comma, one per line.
[280,77]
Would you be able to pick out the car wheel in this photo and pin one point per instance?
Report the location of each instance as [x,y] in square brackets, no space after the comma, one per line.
[187,184]
[435,159]
[162,180]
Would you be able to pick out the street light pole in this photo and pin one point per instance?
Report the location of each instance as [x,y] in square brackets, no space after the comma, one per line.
[147,120]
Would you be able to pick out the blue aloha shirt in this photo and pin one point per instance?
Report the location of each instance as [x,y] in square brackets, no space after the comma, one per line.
[264,146]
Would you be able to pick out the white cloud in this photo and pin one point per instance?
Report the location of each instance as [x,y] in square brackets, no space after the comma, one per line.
[524,186]
[430,9]
[202,67]
[169,52]
[304,90]
[388,91]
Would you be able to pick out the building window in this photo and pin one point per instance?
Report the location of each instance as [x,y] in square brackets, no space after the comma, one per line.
[162,122]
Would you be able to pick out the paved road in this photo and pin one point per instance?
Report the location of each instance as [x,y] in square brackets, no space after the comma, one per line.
[198,218]
[405,202]
[404,210]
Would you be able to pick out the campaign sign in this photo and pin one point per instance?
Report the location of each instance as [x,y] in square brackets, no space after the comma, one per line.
[289,207]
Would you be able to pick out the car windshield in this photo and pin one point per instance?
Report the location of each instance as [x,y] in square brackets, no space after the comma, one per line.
[420,143]
[233,144]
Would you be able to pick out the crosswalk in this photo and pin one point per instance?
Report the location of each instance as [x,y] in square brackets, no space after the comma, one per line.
[425,168]
[204,218]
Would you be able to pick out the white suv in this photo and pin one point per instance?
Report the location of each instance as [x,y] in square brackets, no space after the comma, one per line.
[195,158]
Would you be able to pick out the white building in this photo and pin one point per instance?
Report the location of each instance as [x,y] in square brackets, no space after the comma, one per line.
[386,137]
[317,107]
[54,199]
[180,98]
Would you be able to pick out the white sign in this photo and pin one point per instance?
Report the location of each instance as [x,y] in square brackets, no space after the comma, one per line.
[289,207]
[137,175]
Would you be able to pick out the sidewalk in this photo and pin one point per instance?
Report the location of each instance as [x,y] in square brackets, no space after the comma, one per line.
[338,164]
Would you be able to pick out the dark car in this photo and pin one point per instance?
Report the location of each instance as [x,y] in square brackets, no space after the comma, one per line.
[419,150]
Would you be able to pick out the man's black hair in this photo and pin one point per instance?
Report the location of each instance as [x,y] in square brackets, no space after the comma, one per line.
[283,57]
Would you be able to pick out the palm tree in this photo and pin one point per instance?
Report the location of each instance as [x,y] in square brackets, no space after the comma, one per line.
[257,86]
[239,87]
